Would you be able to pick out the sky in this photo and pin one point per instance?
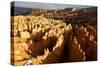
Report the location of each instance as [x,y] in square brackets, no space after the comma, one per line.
[46,5]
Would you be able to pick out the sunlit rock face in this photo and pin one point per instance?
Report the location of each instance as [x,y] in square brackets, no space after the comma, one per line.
[42,40]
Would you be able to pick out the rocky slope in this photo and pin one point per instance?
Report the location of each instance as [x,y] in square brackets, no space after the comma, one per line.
[41,40]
